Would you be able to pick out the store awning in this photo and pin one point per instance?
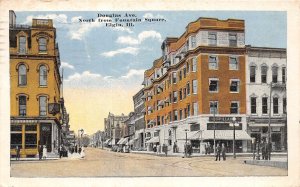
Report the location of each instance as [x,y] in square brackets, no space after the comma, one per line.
[153,140]
[123,141]
[130,142]
[220,135]
[119,142]
[107,141]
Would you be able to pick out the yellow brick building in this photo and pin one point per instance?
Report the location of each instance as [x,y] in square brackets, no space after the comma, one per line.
[35,87]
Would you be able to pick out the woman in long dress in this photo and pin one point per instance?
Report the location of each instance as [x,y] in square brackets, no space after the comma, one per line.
[44,152]
[82,154]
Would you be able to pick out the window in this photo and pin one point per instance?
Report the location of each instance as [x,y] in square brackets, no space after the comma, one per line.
[174,77]
[175,117]
[30,140]
[234,85]
[252,73]
[213,106]
[158,120]
[212,38]
[232,40]
[253,105]
[275,105]
[43,105]
[188,110]
[16,140]
[264,105]
[187,67]
[193,40]
[284,105]
[22,105]
[195,109]
[283,74]
[213,85]
[22,44]
[188,88]
[234,107]
[184,72]
[180,94]
[274,74]
[194,65]
[170,116]
[42,45]
[212,63]
[194,86]
[22,75]
[180,75]
[180,114]
[264,70]
[184,92]
[233,63]
[43,75]
[162,119]
[174,96]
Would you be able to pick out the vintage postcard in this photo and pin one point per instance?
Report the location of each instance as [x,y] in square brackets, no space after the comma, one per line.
[124,95]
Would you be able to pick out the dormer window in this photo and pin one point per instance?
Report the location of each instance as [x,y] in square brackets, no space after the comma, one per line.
[42,45]
[22,44]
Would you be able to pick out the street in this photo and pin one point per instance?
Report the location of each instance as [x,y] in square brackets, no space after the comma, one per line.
[102,163]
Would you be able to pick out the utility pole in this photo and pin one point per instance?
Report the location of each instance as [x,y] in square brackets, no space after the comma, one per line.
[214,128]
[269,125]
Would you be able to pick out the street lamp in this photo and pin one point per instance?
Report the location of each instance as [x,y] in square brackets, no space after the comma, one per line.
[233,144]
[81,132]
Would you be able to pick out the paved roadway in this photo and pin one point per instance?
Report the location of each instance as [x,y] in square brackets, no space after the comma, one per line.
[100,163]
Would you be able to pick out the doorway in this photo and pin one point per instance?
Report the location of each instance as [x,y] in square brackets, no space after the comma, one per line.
[46,135]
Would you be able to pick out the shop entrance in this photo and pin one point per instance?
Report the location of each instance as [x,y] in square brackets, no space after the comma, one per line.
[45,134]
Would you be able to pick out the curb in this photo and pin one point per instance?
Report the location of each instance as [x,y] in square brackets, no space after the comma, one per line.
[278,164]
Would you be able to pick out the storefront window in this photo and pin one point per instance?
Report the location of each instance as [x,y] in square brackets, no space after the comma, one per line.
[30,140]
[15,140]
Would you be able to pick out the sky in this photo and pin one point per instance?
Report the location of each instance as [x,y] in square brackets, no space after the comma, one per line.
[104,66]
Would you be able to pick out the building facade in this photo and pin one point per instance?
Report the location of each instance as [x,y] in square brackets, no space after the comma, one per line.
[113,124]
[36,115]
[266,95]
[139,122]
[197,89]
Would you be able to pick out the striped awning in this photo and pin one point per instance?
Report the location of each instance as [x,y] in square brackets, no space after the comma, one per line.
[130,142]
[119,142]
[153,140]
[107,141]
[220,135]
[123,141]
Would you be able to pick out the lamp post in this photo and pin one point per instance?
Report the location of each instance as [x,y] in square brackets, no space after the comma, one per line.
[269,125]
[233,144]
[80,131]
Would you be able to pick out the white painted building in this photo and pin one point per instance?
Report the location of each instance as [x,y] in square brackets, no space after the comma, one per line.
[266,65]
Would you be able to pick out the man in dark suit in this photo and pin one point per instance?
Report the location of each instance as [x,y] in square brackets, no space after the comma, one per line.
[40,150]
[218,152]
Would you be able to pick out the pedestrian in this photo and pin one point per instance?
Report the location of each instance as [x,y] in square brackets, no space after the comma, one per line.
[174,147]
[268,149]
[263,148]
[189,149]
[154,149]
[75,148]
[44,152]
[40,150]
[82,154]
[79,150]
[208,148]
[218,152]
[17,153]
[165,149]
[60,151]
[185,149]
[223,150]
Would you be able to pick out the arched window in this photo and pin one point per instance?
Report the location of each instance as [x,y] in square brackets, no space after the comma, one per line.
[42,45]
[43,75]
[22,75]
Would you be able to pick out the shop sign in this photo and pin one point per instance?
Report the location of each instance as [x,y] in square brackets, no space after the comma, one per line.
[224,119]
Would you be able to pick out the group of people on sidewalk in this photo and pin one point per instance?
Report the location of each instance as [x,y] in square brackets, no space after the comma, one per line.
[220,150]
[63,151]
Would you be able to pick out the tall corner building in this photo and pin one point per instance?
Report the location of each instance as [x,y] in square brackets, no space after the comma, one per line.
[35,83]
[197,90]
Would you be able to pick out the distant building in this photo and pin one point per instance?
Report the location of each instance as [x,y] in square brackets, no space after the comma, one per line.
[113,124]
[139,123]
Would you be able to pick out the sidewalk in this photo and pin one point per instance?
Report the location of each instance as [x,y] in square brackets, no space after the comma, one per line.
[284,154]
[52,157]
